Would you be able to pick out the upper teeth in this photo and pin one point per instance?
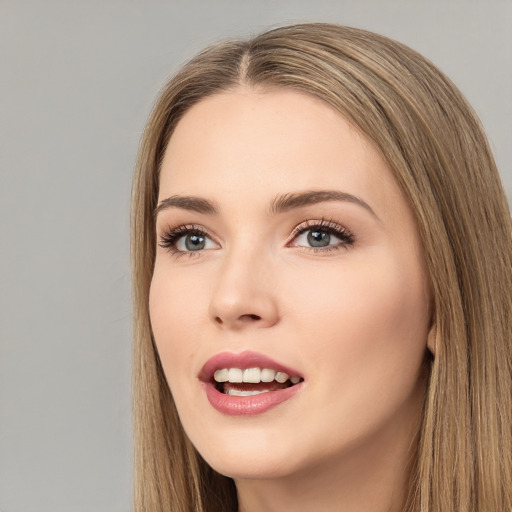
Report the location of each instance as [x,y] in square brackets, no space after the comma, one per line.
[252,375]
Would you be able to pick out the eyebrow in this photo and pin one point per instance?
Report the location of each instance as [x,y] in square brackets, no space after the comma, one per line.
[280,204]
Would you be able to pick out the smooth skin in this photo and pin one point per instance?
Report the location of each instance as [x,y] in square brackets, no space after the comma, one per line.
[351,315]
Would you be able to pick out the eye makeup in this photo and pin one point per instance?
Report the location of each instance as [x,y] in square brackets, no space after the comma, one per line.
[321,232]
[192,236]
[322,236]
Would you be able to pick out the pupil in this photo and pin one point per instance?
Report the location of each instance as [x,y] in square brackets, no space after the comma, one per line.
[194,242]
[319,238]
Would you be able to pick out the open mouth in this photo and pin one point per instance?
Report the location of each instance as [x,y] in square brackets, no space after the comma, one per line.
[248,383]
[243,382]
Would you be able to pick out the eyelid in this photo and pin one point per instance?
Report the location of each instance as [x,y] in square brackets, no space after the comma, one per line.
[323,224]
[169,237]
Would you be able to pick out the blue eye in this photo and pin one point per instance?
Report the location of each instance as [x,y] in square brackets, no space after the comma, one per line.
[318,235]
[317,238]
[193,242]
[186,239]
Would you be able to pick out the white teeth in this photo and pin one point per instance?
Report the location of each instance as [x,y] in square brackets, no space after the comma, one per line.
[252,375]
[236,392]
[282,377]
[221,375]
[267,375]
[235,375]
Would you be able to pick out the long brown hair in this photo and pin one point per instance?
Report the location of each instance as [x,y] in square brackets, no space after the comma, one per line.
[435,146]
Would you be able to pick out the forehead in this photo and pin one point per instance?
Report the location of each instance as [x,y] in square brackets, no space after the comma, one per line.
[259,143]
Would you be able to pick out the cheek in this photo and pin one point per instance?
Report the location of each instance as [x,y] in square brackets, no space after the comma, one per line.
[364,338]
[370,319]
[175,319]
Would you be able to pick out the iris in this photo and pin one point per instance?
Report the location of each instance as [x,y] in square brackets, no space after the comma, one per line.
[319,238]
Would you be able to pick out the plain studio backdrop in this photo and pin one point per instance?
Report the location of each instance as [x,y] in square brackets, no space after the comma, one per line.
[77,81]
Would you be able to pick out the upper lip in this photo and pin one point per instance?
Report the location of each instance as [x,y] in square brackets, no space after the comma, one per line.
[242,360]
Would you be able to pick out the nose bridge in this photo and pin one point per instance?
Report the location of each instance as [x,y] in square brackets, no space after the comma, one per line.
[243,292]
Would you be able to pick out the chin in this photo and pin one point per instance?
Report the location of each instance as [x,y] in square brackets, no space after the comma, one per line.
[246,456]
[242,468]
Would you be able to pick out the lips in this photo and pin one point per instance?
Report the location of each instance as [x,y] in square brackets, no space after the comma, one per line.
[248,383]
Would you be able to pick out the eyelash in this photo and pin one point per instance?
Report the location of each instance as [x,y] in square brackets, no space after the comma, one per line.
[168,240]
[327,226]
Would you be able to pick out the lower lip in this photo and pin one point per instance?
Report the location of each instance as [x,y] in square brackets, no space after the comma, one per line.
[248,405]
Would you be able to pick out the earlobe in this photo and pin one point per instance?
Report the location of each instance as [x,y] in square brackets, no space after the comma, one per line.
[432,339]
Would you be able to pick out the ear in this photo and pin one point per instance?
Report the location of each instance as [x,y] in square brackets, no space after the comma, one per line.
[432,339]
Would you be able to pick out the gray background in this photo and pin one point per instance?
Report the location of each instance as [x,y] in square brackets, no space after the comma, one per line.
[77,80]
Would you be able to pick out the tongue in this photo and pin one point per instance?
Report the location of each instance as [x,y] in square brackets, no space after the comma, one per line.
[261,386]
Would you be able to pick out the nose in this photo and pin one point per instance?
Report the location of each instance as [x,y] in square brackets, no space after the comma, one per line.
[244,293]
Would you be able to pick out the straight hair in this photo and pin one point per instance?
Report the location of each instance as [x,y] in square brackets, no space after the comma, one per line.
[436,148]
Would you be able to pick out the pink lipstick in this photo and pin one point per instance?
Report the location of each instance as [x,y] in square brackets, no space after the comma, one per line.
[248,383]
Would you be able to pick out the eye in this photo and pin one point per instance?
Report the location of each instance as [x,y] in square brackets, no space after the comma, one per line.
[187,239]
[322,236]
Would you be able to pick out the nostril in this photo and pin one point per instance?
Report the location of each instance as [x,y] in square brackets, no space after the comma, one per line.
[250,317]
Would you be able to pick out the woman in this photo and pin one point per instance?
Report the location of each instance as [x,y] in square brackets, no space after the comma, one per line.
[322,274]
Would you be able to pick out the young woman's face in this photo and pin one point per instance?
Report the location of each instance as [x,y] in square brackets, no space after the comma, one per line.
[285,248]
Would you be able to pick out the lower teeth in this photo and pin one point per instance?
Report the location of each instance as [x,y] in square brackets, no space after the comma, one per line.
[236,392]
